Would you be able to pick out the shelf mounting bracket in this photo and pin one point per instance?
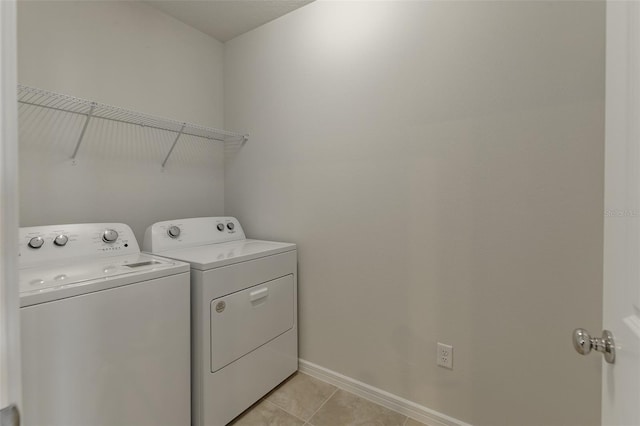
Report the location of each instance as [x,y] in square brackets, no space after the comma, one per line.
[84,129]
[174,145]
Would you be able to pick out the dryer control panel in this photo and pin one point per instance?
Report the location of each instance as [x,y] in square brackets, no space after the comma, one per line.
[51,243]
[199,231]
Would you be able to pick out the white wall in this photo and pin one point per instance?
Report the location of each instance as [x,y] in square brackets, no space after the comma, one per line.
[440,165]
[130,55]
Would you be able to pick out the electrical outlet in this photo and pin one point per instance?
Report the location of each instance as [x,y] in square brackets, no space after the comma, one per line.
[444,356]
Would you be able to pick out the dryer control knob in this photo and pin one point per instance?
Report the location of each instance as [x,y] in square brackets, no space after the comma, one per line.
[220,227]
[60,240]
[36,242]
[109,236]
[173,231]
[230,225]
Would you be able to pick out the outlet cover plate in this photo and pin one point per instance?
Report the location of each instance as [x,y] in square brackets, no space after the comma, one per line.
[444,356]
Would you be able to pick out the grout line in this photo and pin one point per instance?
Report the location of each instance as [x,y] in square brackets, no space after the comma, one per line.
[306,422]
[406,418]
[282,409]
[322,405]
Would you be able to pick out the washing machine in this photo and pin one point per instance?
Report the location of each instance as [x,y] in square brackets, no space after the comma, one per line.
[105,329]
[244,312]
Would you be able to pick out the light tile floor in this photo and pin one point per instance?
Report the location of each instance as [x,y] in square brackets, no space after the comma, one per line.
[305,400]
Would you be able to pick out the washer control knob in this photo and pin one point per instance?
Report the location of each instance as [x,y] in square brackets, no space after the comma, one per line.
[173,231]
[220,227]
[60,240]
[230,226]
[109,236]
[36,242]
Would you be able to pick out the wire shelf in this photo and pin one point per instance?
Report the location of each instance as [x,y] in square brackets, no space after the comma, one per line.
[59,102]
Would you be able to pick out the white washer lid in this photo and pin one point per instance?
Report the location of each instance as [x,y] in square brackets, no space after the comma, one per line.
[40,284]
[211,256]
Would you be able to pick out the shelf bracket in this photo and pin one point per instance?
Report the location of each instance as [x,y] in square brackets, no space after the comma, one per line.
[84,129]
[174,145]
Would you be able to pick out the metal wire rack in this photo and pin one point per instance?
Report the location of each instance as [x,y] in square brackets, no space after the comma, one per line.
[91,110]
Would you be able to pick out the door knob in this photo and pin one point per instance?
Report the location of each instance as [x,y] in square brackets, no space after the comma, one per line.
[583,343]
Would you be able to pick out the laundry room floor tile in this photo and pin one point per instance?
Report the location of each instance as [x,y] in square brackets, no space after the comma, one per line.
[347,409]
[301,395]
[265,413]
[303,400]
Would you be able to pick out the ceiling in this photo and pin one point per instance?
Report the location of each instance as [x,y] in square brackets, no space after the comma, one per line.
[226,19]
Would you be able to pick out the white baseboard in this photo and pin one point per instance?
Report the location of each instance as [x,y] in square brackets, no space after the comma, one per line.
[393,402]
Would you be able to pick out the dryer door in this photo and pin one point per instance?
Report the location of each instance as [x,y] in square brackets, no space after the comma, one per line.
[247,319]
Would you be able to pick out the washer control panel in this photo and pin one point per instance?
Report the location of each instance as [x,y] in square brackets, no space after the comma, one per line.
[180,233]
[38,244]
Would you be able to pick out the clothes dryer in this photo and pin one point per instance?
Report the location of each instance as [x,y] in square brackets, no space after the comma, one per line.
[244,312]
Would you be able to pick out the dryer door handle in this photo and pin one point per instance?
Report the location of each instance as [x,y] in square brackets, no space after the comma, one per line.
[259,294]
